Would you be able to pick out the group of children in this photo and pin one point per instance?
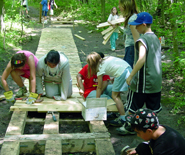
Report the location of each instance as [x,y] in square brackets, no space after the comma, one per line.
[144,82]
[48,6]
[52,70]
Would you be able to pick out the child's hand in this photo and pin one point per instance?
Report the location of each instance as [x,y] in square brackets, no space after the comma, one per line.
[128,80]
[131,151]
[81,92]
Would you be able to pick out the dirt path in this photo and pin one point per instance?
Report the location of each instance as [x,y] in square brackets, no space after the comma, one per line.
[93,42]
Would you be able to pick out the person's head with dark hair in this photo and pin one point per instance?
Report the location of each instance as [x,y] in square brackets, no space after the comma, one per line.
[52,58]
[18,60]
[101,54]
[114,11]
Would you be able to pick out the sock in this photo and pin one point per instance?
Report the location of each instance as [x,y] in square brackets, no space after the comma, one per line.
[123,117]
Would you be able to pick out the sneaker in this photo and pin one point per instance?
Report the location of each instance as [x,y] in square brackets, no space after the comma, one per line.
[117,122]
[126,130]
[21,92]
[113,49]
[124,150]
[28,16]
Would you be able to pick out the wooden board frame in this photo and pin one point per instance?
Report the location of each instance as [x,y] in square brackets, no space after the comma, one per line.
[51,142]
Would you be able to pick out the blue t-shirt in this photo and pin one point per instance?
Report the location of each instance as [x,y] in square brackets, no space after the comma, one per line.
[44,5]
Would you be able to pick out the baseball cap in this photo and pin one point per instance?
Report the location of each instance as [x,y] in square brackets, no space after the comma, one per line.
[143,17]
[144,118]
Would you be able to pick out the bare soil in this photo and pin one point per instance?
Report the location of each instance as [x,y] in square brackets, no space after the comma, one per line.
[93,42]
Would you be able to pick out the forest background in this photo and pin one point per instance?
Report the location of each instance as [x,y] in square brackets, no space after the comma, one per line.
[169,21]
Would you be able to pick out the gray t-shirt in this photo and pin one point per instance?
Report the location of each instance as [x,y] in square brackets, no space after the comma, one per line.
[129,41]
[149,78]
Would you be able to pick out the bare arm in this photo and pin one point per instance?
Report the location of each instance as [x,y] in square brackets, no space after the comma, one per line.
[140,62]
[80,84]
[135,33]
[55,4]
[99,87]
[32,79]
[5,75]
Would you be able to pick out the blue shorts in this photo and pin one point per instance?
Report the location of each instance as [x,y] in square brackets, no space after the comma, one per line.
[120,84]
[44,13]
[129,55]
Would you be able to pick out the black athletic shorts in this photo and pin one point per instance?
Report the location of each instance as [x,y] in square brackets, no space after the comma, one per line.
[136,101]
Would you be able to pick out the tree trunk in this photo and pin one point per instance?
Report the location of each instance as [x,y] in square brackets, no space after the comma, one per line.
[174,35]
[158,10]
[1,15]
[162,13]
[103,10]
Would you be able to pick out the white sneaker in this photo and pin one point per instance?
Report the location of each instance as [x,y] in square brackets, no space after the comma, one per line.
[45,22]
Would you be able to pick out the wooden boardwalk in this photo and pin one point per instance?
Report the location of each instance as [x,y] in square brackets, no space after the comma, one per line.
[51,142]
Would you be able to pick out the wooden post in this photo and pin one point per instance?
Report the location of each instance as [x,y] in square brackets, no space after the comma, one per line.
[40,16]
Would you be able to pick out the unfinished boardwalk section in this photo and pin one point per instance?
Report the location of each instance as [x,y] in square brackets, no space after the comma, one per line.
[51,142]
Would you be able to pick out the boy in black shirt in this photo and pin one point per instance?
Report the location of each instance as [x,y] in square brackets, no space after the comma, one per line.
[163,140]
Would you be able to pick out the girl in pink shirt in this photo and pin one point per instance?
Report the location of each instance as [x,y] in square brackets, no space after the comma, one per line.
[22,64]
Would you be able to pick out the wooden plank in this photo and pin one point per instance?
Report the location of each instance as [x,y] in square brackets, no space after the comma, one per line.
[17,123]
[106,145]
[108,34]
[64,121]
[105,41]
[53,147]
[33,147]
[10,148]
[22,108]
[116,21]
[107,30]
[70,105]
[76,145]
[61,108]
[67,137]
[76,35]
[97,126]
[51,126]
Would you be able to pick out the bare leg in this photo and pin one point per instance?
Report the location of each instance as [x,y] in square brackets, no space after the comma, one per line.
[119,104]
[17,78]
